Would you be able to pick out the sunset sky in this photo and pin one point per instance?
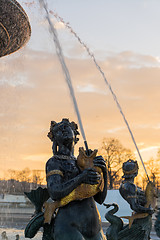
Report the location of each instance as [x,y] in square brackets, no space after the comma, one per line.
[125,39]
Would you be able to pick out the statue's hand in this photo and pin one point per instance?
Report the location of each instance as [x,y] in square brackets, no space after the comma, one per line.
[150,210]
[99,162]
[90,176]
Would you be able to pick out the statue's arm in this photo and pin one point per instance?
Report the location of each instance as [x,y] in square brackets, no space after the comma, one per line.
[134,202]
[101,195]
[58,188]
[135,206]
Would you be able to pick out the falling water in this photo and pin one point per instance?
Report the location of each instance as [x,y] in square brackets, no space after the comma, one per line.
[105,79]
[64,68]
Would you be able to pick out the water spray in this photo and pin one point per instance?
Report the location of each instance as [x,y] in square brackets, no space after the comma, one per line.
[65,70]
[106,82]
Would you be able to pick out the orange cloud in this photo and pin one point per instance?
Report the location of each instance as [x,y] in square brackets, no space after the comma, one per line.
[33,92]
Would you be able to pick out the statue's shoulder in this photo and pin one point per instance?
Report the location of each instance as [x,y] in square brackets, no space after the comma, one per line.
[128,187]
[51,160]
[52,164]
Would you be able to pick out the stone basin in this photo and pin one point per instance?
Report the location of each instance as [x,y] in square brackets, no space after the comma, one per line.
[15,29]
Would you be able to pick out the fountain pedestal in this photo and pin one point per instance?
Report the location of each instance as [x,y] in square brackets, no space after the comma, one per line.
[15,29]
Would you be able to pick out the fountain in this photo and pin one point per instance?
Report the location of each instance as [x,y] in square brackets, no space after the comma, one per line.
[78,186]
[15,31]
[15,28]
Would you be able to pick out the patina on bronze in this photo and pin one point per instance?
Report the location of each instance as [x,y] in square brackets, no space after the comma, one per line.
[15,29]
[74,185]
[82,191]
[141,202]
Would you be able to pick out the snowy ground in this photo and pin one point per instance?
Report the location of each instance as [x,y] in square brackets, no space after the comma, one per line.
[12,198]
[113,196]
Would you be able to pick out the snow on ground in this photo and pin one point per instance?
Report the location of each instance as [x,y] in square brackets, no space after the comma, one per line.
[8,198]
[113,196]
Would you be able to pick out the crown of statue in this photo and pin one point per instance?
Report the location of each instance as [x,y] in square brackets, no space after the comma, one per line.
[130,168]
[65,121]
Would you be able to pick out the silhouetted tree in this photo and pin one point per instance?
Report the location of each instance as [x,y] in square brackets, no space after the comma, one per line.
[20,181]
[37,177]
[114,154]
[153,169]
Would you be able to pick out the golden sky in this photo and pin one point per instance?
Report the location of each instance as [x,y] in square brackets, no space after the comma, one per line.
[33,92]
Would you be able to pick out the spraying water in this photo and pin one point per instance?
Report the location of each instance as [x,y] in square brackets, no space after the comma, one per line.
[64,69]
[106,81]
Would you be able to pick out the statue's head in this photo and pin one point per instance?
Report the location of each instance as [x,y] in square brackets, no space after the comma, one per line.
[63,133]
[130,169]
[3,234]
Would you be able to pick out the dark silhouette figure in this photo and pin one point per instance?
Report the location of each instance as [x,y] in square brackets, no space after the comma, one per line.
[130,192]
[78,219]
[4,235]
[66,209]
[17,237]
[141,203]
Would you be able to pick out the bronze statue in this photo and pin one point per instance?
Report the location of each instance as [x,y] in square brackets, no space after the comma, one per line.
[142,203]
[138,200]
[79,219]
[74,186]
[157,223]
